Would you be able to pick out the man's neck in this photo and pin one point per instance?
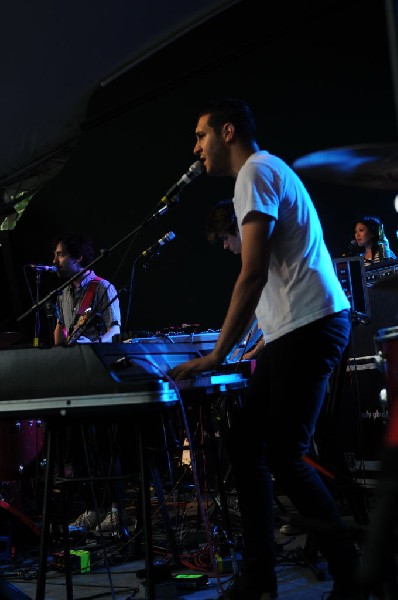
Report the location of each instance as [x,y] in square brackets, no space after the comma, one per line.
[240,156]
[83,273]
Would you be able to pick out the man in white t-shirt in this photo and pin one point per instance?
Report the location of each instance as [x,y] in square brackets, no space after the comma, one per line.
[287,280]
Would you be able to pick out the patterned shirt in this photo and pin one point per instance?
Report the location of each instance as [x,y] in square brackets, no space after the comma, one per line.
[106,315]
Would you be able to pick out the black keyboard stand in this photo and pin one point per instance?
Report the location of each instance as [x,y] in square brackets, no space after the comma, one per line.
[55,440]
[55,431]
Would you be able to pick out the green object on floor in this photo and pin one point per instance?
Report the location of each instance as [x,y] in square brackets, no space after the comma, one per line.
[85,562]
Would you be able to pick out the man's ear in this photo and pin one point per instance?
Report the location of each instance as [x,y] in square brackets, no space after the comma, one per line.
[228,131]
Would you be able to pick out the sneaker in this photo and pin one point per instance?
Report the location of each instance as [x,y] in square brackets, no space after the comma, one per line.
[290,529]
[293,526]
[88,520]
[110,523]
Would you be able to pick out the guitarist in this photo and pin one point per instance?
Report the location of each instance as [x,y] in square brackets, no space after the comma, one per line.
[86,294]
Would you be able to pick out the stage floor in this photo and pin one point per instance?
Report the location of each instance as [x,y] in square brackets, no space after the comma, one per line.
[302,573]
[296,581]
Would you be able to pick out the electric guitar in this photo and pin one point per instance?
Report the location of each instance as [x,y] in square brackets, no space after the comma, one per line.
[76,329]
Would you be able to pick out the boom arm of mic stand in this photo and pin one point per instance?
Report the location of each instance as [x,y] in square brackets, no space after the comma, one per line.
[104,253]
[59,289]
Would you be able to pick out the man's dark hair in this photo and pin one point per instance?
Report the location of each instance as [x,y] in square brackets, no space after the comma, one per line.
[221,219]
[231,110]
[77,245]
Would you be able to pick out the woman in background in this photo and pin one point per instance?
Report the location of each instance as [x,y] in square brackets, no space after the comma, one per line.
[370,240]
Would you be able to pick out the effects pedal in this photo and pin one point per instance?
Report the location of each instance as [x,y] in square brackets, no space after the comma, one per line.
[191,581]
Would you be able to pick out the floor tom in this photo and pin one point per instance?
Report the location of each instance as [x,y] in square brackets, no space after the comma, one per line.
[21,442]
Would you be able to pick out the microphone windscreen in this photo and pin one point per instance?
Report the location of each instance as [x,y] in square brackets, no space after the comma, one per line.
[196,168]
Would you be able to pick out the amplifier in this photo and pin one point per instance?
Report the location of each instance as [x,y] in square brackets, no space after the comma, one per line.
[384,274]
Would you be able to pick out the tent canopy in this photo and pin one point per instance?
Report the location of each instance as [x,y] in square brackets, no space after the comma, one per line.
[56,55]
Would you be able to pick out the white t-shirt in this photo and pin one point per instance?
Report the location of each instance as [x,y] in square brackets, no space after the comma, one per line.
[302,284]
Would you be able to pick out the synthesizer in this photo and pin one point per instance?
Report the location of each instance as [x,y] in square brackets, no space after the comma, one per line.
[96,377]
[202,342]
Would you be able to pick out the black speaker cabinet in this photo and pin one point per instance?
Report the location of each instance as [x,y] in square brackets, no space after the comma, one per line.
[363,419]
[384,313]
[373,292]
[352,424]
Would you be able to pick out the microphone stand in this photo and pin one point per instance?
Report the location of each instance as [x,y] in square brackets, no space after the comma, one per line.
[159,212]
[37,316]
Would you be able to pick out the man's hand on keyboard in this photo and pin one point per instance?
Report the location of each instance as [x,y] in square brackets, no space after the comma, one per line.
[191,367]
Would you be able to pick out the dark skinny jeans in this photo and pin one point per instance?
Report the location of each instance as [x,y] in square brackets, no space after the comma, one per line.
[269,436]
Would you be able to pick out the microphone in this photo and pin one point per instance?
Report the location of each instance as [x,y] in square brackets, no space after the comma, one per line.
[171,197]
[356,248]
[194,170]
[43,268]
[154,249]
[352,250]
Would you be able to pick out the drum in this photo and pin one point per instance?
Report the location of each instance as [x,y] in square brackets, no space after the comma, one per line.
[356,421]
[365,397]
[20,443]
[387,343]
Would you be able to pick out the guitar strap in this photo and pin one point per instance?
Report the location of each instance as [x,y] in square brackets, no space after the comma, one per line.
[83,308]
[88,296]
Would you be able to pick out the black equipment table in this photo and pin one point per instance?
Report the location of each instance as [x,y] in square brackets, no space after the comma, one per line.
[88,381]
[73,382]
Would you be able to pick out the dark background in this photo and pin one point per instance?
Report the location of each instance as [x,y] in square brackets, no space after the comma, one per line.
[318,75]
